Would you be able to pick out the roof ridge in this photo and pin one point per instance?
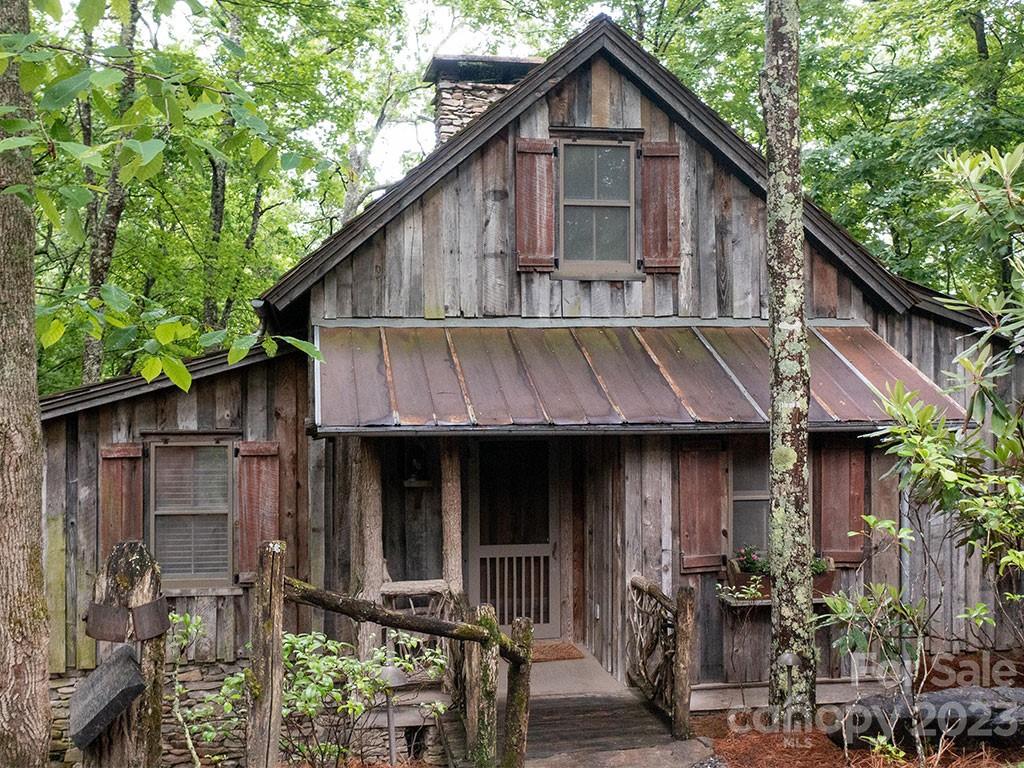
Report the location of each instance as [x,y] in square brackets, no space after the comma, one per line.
[601,35]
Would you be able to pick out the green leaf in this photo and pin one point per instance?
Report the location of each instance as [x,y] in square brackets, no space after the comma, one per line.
[305,346]
[53,333]
[31,76]
[213,338]
[122,9]
[147,150]
[240,348]
[115,298]
[107,77]
[267,163]
[290,160]
[49,209]
[58,95]
[166,332]
[151,368]
[269,346]
[204,109]
[51,8]
[90,12]
[176,372]
[233,48]
[16,142]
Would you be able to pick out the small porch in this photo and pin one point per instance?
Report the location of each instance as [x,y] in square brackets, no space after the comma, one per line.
[539,469]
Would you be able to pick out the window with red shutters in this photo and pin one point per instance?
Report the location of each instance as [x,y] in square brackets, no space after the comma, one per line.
[659,206]
[121,495]
[535,204]
[703,507]
[838,476]
[258,496]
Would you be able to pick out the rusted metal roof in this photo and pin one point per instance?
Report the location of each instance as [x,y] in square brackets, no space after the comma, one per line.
[594,378]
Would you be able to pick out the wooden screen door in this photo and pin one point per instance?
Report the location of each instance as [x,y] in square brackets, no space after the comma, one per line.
[513,533]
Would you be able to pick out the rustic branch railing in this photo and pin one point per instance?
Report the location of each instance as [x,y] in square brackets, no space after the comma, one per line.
[486,639]
[658,649]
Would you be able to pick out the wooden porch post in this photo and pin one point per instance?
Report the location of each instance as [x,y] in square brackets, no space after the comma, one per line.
[482,692]
[263,724]
[451,514]
[367,528]
[681,663]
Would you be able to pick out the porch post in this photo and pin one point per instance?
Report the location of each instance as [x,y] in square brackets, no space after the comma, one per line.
[451,514]
[367,527]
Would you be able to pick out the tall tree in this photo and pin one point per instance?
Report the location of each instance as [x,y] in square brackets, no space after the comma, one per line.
[24,633]
[793,660]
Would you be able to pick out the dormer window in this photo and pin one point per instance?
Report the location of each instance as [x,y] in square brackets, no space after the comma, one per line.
[596,202]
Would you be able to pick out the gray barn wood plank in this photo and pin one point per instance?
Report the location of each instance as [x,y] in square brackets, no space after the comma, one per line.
[394,264]
[55,483]
[343,279]
[328,295]
[470,212]
[742,262]
[433,254]
[724,251]
[706,237]
[496,287]
[450,243]
[412,288]
[689,268]
[86,560]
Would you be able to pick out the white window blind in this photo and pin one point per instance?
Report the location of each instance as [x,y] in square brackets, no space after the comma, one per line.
[192,511]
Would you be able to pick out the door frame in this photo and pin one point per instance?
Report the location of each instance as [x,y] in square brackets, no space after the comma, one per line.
[474,550]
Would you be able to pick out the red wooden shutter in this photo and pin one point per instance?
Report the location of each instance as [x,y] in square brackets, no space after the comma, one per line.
[703,503]
[535,204]
[121,502]
[839,500]
[258,481]
[659,206]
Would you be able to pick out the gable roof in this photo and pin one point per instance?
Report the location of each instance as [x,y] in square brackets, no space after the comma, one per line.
[602,35]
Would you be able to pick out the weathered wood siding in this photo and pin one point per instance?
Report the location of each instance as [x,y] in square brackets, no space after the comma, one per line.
[263,401]
[452,252]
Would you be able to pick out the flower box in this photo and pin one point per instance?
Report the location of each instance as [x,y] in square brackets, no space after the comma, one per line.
[824,583]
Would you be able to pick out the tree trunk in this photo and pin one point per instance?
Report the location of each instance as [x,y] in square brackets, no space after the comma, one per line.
[24,631]
[793,659]
[105,236]
[131,577]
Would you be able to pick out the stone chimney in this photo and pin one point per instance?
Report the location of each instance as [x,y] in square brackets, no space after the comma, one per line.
[466,85]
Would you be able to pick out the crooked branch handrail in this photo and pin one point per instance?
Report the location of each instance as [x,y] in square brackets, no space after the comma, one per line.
[658,649]
[364,610]
[273,587]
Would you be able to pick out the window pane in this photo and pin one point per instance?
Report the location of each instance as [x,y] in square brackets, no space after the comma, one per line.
[578,233]
[192,545]
[579,172]
[612,230]
[191,477]
[750,524]
[750,468]
[612,173]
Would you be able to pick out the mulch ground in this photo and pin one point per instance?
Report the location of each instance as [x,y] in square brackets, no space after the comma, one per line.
[814,750]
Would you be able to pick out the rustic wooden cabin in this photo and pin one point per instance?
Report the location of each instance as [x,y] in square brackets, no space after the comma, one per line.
[545,370]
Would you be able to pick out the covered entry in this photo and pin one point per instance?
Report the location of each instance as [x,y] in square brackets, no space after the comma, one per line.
[512,537]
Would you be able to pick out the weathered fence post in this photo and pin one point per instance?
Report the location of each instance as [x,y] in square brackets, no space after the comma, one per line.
[517,701]
[130,579]
[263,724]
[482,692]
[681,664]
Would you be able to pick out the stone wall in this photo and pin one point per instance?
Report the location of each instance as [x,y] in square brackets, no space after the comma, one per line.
[198,680]
[457,102]
[201,679]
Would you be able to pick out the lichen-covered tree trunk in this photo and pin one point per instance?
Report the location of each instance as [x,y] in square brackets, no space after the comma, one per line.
[793,661]
[24,633]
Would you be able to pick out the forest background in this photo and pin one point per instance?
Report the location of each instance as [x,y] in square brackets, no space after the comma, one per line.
[188,152]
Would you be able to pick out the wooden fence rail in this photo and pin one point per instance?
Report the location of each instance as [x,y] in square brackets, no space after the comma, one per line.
[486,639]
[658,649]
